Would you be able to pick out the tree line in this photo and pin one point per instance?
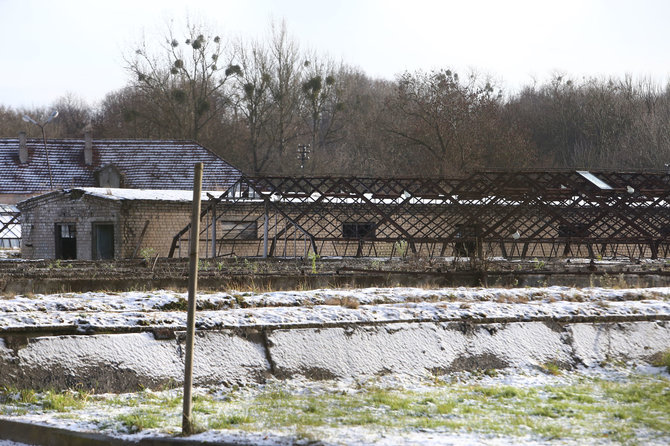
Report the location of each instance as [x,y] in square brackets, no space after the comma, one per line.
[255,102]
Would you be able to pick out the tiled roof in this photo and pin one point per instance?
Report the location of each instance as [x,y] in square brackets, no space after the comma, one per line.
[144,165]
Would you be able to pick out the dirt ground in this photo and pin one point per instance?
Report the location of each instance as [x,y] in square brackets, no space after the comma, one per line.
[47,276]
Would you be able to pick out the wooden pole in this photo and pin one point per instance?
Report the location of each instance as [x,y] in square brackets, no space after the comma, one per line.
[265,230]
[187,427]
[214,229]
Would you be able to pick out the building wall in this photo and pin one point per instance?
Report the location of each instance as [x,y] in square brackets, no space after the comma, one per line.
[39,220]
[438,227]
[165,220]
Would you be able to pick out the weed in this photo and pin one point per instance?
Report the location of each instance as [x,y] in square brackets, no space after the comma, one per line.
[393,401]
[230,421]
[139,420]
[251,267]
[313,258]
[347,301]
[172,401]
[11,394]
[551,368]
[63,401]
[179,304]
[662,360]
[401,248]
[27,396]
[274,397]
[147,254]
[446,407]
[350,302]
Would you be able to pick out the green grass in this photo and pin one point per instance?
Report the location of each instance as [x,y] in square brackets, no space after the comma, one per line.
[63,401]
[588,409]
[141,419]
[551,368]
[221,422]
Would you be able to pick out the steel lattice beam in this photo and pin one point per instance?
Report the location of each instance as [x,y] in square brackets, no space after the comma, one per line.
[510,213]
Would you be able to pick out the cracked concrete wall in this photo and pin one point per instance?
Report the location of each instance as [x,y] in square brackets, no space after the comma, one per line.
[127,362]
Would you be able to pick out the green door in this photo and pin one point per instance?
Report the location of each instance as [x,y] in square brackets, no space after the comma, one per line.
[103,235]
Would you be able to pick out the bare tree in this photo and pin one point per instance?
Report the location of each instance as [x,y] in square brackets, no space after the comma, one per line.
[74,116]
[184,86]
[285,82]
[253,102]
[433,112]
[322,104]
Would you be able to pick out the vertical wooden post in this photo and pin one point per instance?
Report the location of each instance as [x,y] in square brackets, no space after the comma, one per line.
[187,427]
[214,230]
[265,230]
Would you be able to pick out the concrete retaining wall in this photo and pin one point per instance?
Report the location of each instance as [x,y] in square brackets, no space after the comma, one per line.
[127,362]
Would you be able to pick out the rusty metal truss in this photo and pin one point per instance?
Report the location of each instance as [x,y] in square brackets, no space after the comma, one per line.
[513,214]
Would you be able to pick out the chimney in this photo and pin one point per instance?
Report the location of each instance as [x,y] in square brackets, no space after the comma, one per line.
[23,148]
[88,149]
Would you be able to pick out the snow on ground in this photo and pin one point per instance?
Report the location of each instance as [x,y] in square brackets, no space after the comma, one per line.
[9,253]
[99,416]
[325,306]
[99,310]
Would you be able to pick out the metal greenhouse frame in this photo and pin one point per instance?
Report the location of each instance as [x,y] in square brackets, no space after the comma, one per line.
[513,214]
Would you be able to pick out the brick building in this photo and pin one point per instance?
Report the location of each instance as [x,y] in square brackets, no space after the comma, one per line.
[28,169]
[102,223]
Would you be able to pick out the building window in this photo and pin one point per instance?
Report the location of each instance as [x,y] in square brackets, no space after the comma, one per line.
[66,241]
[573,230]
[239,230]
[359,230]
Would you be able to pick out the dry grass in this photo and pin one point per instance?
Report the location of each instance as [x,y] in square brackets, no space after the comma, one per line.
[347,302]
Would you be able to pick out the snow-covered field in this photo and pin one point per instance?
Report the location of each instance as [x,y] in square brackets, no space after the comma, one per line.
[99,310]
[530,405]
[617,404]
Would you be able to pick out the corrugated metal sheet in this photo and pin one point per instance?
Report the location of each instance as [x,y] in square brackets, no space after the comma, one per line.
[142,194]
[595,180]
[144,165]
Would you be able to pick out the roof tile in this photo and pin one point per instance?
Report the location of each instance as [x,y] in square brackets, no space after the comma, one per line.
[145,164]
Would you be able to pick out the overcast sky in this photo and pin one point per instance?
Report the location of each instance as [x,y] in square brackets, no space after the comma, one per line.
[51,48]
